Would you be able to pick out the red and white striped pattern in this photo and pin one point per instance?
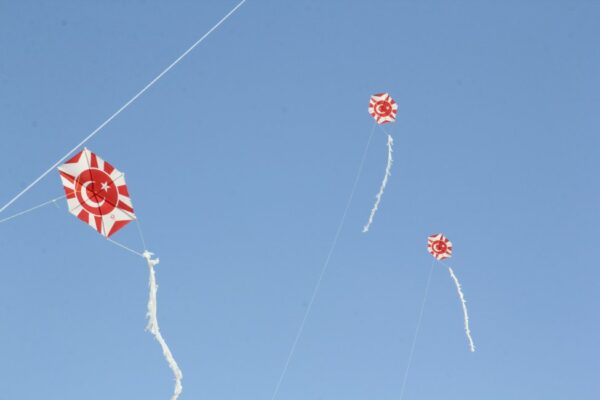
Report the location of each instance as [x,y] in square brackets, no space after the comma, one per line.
[383,108]
[96,193]
[439,246]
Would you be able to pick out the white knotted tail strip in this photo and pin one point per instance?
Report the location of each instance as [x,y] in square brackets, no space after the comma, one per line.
[388,172]
[154,328]
[464,307]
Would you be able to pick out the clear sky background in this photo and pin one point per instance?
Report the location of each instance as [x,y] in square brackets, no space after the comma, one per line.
[239,163]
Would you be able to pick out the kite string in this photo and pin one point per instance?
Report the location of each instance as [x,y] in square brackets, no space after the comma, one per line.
[127,104]
[464,307]
[19,214]
[53,201]
[417,329]
[388,173]
[124,247]
[324,268]
[139,229]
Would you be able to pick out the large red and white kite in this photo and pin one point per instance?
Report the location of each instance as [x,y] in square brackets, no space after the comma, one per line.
[383,108]
[96,193]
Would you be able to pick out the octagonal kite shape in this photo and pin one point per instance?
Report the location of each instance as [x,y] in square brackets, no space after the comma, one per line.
[383,108]
[439,246]
[96,193]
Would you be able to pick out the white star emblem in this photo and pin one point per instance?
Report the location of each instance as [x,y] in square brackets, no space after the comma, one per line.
[105,186]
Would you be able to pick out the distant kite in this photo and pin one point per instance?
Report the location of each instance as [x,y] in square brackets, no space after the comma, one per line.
[383,109]
[441,248]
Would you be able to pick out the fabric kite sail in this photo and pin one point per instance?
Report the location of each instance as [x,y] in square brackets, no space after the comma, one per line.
[97,194]
[383,109]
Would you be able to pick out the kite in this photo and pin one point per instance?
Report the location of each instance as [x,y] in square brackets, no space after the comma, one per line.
[441,248]
[383,112]
[97,194]
[383,109]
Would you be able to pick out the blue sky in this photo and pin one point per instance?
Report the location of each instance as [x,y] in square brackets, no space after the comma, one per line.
[239,163]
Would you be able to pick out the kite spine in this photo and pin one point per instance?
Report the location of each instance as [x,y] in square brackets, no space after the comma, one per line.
[155,329]
[388,173]
[464,307]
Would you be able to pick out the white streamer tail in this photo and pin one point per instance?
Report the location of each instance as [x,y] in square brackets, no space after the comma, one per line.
[154,328]
[464,307]
[388,172]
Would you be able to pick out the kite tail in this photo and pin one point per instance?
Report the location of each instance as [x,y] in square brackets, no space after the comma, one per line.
[388,172]
[154,328]
[464,307]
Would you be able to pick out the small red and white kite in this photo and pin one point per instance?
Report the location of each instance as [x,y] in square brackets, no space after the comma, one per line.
[96,193]
[383,108]
[439,246]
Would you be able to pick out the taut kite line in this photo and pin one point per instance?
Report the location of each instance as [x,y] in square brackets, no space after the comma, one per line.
[120,110]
